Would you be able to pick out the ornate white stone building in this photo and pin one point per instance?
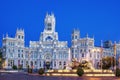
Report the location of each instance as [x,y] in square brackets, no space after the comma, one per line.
[13,49]
[48,52]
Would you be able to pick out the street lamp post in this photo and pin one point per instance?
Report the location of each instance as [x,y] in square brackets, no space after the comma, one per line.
[29,53]
[119,62]
[115,57]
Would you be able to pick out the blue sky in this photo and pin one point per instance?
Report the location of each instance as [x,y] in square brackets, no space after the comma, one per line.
[100,18]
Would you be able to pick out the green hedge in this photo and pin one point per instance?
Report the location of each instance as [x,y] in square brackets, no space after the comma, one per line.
[41,71]
[117,72]
[80,71]
[14,67]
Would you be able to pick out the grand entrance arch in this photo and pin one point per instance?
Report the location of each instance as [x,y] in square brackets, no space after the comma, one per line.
[48,61]
[48,64]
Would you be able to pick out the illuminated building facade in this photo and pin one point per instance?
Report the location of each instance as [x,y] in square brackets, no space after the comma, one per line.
[48,52]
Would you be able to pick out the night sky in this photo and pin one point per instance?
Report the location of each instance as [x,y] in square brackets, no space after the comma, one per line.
[100,18]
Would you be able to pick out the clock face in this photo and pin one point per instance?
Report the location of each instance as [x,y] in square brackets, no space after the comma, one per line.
[48,57]
[49,38]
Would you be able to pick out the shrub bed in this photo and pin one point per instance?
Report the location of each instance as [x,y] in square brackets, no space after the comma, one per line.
[80,71]
[41,71]
[117,72]
[14,67]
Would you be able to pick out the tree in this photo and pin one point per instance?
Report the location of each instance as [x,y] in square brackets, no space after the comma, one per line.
[1,59]
[80,71]
[108,62]
[117,72]
[14,67]
[41,71]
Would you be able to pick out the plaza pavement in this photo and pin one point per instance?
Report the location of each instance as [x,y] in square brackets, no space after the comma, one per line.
[26,76]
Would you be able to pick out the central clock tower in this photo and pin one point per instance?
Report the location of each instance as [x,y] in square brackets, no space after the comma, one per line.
[49,33]
[49,23]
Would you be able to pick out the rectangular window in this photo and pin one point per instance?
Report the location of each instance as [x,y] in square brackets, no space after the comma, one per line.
[11,54]
[21,50]
[9,50]
[26,55]
[18,62]
[72,56]
[22,37]
[59,63]
[94,55]
[18,36]
[18,50]
[35,55]
[90,55]
[75,51]
[22,61]
[40,64]
[35,62]
[9,43]
[54,64]
[26,62]
[81,50]
[64,63]
[76,37]
[54,56]
[72,50]
[13,50]
[22,55]
[82,54]
[19,55]
[76,55]
[97,56]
